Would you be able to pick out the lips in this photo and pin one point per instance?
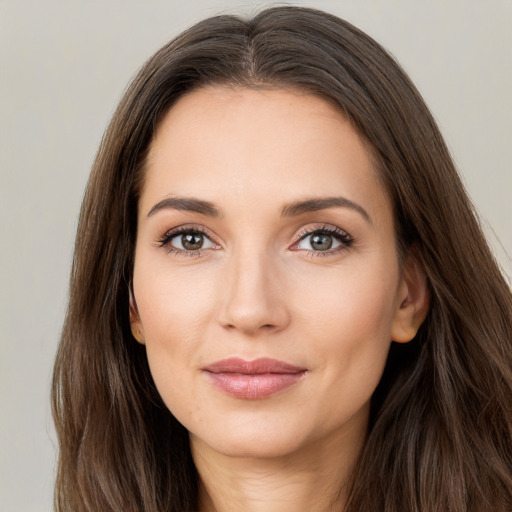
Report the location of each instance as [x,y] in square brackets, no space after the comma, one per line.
[252,380]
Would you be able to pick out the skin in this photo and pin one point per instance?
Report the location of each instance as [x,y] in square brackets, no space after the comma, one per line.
[258,287]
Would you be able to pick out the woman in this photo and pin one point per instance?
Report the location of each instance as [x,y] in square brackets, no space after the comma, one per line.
[281,298]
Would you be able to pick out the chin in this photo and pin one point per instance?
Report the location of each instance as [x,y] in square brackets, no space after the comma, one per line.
[252,446]
[251,437]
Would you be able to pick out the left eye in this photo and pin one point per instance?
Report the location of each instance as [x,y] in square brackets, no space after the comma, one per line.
[321,241]
[190,241]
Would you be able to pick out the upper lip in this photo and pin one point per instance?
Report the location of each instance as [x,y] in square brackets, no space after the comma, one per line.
[256,367]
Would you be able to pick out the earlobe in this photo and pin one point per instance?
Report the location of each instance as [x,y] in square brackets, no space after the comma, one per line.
[412,302]
[135,323]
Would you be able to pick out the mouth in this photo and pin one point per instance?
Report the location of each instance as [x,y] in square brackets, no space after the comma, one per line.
[253,380]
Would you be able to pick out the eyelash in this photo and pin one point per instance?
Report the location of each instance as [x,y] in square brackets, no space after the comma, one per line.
[343,237]
[165,241]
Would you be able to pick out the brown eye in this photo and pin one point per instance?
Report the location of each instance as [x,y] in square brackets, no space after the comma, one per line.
[192,241]
[187,240]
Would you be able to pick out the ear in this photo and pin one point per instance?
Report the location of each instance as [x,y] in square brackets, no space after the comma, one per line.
[413,300]
[135,323]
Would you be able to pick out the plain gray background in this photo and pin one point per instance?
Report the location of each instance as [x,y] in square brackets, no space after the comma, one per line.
[63,68]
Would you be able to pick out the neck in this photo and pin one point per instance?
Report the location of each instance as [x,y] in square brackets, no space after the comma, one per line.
[313,479]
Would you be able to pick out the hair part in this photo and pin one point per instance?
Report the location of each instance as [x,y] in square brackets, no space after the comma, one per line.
[440,436]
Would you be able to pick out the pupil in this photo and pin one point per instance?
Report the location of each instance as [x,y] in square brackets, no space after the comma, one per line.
[192,241]
[321,242]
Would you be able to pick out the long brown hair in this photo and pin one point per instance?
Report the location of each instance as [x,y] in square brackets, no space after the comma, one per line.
[440,435]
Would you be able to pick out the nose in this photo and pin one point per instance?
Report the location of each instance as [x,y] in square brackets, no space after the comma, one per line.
[253,298]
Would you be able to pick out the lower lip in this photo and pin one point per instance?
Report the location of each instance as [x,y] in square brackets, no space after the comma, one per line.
[253,386]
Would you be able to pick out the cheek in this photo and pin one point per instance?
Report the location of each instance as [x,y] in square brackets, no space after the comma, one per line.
[174,309]
[353,341]
[353,301]
[348,323]
[171,303]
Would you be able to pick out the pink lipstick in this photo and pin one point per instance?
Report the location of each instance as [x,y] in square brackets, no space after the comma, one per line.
[252,380]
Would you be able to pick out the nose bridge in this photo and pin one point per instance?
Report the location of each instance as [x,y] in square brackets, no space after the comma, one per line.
[252,300]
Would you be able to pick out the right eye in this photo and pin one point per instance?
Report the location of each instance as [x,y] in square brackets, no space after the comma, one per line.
[191,241]
[187,241]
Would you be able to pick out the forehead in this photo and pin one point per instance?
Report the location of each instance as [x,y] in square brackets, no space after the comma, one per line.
[220,142]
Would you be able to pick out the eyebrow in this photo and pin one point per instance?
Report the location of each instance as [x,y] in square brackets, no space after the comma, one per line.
[189,204]
[290,210]
[322,203]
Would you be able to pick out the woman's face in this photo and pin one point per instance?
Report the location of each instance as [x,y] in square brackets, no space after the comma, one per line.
[266,284]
